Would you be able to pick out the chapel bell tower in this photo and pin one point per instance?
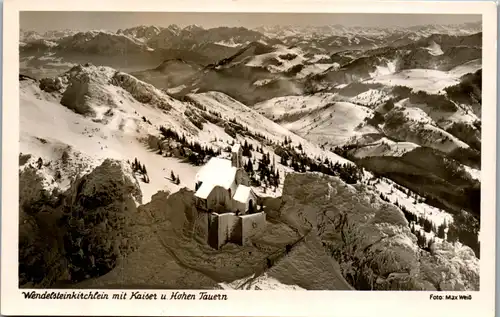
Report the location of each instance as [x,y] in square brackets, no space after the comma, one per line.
[237,156]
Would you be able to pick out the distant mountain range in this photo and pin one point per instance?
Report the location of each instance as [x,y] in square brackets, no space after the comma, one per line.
[193,36]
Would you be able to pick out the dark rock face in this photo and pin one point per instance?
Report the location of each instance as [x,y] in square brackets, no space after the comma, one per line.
[41,259]
[140,91]
[100,213]
[371,240]
[51,84]
[76,94]
[23,77]
[78,234]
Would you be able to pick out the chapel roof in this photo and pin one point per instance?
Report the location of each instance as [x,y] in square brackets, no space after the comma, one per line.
[217,172]
[242,193]
[204,190]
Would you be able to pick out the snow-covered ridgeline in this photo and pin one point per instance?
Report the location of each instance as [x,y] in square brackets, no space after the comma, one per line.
[262,282]
[412,202]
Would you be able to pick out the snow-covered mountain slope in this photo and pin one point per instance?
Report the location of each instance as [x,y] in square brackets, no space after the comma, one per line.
[334,124]
[434,49]
[142,33]
[112,133]
[428,80]
[384,68]
[248,66]
[257,123]
[414,125]
[316,68]
[229,43]
[379,145]
[175,37]
[281,108]
[430,117]
[170,73]
[369,98]
[101,42]
[298,62]
[280,60]
[409,65]
[320,118]
[262,282]
[412,202]
[52,35]
[444,118]
[467,68]
[98,113]
[384,147]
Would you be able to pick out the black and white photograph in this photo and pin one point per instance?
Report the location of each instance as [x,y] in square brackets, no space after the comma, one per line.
[223,151]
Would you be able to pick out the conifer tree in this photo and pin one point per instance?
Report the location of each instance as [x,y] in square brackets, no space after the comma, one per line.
[160,148]
[283,161]
[452,235]
[430,243]
[249,167]
[440,231]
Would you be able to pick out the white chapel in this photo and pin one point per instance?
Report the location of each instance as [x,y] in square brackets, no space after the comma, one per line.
[222,185]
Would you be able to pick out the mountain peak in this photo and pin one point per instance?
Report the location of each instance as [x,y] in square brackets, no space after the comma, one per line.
[173,27]
[193,27]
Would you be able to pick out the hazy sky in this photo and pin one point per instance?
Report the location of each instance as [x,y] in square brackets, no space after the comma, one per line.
[77,20]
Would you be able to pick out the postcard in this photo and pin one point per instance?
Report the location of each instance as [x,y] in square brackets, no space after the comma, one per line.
[249,158]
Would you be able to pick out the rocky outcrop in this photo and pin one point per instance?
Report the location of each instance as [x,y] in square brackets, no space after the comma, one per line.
[84,87]
[100,213]
[51,84]
[142,92]
[172,232]
[177,243]
[41,260]
[76,95]
[371,239]
[320,235]
[81,233]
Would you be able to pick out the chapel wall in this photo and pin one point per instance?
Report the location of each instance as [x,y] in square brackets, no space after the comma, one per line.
[250,225]
[227,224]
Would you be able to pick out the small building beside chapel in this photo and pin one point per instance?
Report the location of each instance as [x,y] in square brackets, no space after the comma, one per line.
[223,192]
[223,185]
